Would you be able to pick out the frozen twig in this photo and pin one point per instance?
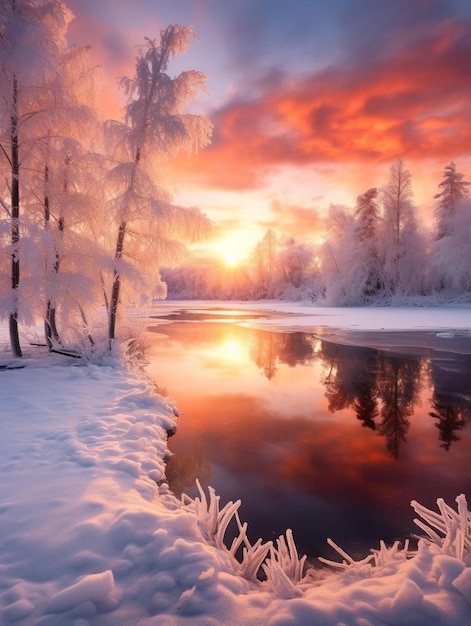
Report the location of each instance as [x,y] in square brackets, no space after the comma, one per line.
[213,523]
[348,562]
[378,558]
[252,558]
[455,526]
[284,569]
[386,556]
[286,556]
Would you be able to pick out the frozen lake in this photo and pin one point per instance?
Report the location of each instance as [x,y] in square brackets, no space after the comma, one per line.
[328,439]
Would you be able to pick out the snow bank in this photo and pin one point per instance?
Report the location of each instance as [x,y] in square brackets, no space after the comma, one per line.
[91,536]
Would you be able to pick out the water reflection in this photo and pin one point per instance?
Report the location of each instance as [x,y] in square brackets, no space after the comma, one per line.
[381,387]
[326,439]
[451,408]
[268,349]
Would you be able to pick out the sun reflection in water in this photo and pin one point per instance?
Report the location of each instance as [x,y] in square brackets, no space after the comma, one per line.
[232,350]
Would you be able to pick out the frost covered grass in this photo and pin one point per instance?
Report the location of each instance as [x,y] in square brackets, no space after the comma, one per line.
[91,536]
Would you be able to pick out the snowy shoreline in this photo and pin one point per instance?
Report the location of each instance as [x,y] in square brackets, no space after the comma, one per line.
[444,328]
[88,537]
[453,316]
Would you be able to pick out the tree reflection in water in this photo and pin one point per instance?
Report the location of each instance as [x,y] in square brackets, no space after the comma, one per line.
[451,376]
[311,434]
[268,349]
[450,420]
[382,387]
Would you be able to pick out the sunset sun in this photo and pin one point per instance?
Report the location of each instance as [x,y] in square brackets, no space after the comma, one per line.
[231,258]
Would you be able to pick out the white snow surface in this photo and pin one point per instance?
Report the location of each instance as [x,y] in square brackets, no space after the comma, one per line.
[88,537]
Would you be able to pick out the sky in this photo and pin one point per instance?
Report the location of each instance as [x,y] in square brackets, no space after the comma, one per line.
[311,102]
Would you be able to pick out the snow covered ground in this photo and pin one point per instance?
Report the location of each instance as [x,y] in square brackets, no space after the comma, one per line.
[90,535]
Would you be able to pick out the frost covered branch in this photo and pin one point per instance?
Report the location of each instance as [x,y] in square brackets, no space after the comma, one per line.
[389,556]
[348,562]
[454,526]
[213,523]
[284,569]
[381,558]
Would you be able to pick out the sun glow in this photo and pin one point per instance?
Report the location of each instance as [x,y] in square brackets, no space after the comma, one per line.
[232,258]
[231,348]
[231,351]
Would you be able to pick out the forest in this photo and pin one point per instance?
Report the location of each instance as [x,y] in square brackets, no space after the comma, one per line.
[88,223]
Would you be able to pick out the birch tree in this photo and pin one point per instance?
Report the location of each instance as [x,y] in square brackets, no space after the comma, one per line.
[32,33]
[149,227]
[66,171]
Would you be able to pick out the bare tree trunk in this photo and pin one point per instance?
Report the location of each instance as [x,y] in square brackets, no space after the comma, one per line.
[116,274]
[52,312]
[15,225]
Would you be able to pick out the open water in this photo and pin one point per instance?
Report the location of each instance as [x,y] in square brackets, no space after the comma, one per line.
[328,439]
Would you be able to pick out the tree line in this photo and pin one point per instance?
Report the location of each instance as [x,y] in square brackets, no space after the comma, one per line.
[86,219]
[381,250]
[377,251]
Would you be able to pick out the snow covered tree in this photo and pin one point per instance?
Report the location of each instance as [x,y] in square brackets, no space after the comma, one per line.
[32,33]
[263,265]
[341,264]
[367,215]
[70,244]
[403,249]
[149,227]
[366,235]
[67,194]
[454,191]
[295,260]
[349,255]
[451,251]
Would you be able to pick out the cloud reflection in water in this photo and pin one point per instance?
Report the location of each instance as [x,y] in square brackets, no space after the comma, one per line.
[326,439]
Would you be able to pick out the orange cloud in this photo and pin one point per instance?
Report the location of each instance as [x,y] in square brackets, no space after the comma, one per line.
[294,219]
[413,104]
